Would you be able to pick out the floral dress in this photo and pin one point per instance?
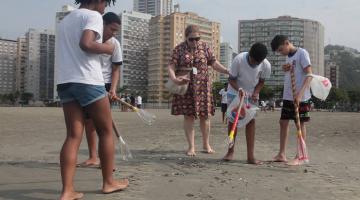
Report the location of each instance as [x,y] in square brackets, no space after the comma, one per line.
[198,100]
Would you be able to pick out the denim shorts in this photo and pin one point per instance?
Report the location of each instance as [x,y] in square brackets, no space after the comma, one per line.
[84,94]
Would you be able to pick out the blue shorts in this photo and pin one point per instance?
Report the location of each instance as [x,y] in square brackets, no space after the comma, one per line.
[84,94]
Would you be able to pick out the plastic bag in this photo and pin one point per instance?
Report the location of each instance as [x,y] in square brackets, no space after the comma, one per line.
[320,86]
[247,113]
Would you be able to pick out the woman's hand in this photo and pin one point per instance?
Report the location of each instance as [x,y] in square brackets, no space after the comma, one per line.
[181,80]
[286,67]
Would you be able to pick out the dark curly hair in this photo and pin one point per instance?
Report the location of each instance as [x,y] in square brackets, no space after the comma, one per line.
[90,1]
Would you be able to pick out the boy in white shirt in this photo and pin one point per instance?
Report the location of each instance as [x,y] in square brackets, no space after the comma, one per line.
[111,73]
[247,75]
[80,86]
[299,60]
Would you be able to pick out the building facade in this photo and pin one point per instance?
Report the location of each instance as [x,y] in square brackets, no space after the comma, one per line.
[303,33]
[332,71]
[133,38]
[166,32]
[154,7]
[226,58]
[40,60]
[8,54]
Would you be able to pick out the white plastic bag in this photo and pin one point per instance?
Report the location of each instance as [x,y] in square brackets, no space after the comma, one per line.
[247,113]
[320,86]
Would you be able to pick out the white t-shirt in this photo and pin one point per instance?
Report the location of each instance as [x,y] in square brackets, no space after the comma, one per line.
[108,60]
[223,94]
[247,77]
[72,63]
[300,60]
[138,100]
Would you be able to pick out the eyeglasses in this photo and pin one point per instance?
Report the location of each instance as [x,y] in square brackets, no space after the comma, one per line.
[194,39]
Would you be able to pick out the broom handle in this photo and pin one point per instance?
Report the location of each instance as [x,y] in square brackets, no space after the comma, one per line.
[115,129]
[293,86]
[237,113]
[127,104]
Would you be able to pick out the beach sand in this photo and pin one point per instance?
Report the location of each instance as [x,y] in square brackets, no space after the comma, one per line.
[31,139]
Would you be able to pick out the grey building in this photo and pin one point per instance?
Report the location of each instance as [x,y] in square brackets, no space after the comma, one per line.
[154,7]
[303,33]
[134,42]
[21,59]
[226,57]
[39,70]
[332,70]
[8,53]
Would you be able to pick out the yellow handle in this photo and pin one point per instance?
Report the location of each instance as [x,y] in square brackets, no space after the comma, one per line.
[231,135]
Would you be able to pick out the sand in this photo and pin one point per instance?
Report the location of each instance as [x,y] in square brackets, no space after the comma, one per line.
[31,138]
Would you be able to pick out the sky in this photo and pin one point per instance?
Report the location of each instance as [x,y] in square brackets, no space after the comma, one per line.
[339,17]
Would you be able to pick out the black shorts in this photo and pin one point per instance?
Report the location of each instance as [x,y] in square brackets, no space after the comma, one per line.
[107,88]
[288,111]
[223,107]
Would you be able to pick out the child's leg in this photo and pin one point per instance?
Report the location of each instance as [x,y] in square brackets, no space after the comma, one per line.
[223,117]
[205,130]
[91,138]
[303,130]
[230,154]
[73,114]
[250,142]
[190,134]
[284,130]
[101,115]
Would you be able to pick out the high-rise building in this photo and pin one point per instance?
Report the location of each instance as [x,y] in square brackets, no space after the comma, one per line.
[166,32]
[21,64]
[66,9]
[8,51]
[226,57]
[134,41]
[154,7]
[39,71]
[303,33]
[332,71]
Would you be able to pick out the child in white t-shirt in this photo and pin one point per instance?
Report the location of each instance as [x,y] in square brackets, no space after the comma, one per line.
[111,73]
[80,86]
[297,59]
[247,75]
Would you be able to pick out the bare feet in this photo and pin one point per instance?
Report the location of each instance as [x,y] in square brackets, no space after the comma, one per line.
[90,163]
[297,162]
[71,195]
[115,186]
[254,162]
[191,152]
[279,158]
[208,150]
[229,156]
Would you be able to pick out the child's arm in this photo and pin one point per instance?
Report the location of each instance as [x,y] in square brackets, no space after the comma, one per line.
[258,87]
[306,84]
[115,77]
[88,44]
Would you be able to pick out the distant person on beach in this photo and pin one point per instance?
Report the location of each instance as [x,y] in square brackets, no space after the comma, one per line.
[297,59]
[111,73]
[80,86]
[247,74]
[223,93]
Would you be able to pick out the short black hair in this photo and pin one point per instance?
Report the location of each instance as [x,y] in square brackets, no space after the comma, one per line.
[258,52]
[90,1]
[110,18]
[278,41]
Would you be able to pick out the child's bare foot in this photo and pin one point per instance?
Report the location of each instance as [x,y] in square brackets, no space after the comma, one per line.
[297,162]
[279,158]
[208,150]
[115,186]
[229,156]
[254,162]
[191,152]
[71,195]
[89,163]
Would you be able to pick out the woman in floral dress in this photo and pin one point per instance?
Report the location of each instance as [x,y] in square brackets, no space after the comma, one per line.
[195,56]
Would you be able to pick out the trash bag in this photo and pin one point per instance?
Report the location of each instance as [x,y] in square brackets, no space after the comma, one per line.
[320,86]
[247,113]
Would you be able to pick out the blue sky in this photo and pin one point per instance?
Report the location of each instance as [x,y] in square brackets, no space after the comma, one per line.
[340,17]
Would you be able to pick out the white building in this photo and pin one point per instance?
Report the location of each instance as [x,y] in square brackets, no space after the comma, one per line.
[8,52]
[226,57]
[154,7]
